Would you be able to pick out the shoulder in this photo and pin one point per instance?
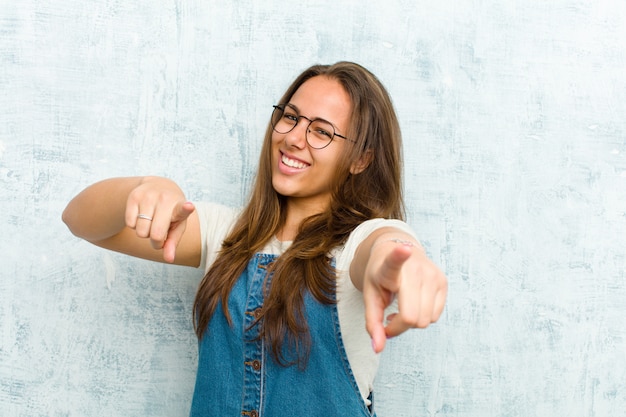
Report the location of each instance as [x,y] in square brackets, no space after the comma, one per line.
[212,212]
[215,222]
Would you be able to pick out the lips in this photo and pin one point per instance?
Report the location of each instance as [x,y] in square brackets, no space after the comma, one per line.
[292,163]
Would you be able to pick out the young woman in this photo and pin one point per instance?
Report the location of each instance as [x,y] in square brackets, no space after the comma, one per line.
[291,312]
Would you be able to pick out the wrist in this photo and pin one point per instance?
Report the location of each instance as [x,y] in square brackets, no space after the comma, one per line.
[389,239]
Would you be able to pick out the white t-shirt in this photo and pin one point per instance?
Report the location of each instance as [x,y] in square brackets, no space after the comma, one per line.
[216,222]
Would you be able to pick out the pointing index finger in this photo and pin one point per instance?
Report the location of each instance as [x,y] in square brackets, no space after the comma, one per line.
[390,269]
[182,211]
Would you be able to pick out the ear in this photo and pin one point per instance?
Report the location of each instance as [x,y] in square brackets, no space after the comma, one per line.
[364,161]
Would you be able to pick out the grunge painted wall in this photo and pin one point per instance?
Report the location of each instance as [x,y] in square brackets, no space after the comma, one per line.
[514,118]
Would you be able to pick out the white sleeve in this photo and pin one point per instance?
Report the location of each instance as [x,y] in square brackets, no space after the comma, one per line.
[216,221]
[358,235]
[351,310]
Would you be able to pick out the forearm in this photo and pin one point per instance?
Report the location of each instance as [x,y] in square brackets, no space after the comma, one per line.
[374,248]
[98,212]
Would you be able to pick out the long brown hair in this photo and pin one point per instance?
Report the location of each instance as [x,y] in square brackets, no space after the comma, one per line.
[374,192]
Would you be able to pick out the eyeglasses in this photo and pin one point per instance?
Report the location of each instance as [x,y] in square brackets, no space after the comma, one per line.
[319,132]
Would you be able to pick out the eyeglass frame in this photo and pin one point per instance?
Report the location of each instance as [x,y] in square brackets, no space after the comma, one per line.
[282,107]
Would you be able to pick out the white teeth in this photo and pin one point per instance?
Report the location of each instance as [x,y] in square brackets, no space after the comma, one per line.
[293,163]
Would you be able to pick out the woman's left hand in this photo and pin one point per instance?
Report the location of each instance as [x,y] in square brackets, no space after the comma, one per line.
[398,269]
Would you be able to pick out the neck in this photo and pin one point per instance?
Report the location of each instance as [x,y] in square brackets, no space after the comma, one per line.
[297,211]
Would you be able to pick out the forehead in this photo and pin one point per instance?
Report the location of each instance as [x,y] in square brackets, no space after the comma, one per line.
[325,98]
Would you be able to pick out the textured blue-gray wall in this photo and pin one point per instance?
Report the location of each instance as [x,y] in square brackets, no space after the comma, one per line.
[514,117]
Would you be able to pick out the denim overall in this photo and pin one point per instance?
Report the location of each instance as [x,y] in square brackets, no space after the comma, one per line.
[238,377]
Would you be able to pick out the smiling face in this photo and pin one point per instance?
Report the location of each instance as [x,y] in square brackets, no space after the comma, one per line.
[303,174]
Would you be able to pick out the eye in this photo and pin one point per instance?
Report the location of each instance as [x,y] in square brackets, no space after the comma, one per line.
[323,132]
[290,117]
[322,129]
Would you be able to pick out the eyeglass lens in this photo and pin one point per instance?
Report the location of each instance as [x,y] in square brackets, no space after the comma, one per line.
[319,133]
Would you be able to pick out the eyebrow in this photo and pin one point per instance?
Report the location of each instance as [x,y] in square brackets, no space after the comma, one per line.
[293,106]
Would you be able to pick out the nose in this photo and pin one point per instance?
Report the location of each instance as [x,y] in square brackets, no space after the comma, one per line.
[297,136]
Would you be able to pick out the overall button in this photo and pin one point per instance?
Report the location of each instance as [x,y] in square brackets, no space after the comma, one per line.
[256,364]
[256,313]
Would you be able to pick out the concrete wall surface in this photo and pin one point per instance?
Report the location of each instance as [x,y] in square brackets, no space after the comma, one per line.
[514,120]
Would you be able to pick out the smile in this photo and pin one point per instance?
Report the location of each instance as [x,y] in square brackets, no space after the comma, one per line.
[293,163]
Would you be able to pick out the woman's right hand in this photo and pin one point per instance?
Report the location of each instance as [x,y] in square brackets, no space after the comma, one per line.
[157,210]
[107,214]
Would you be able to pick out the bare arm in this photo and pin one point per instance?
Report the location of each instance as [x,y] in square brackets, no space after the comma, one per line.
[106,214]
[388,264]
